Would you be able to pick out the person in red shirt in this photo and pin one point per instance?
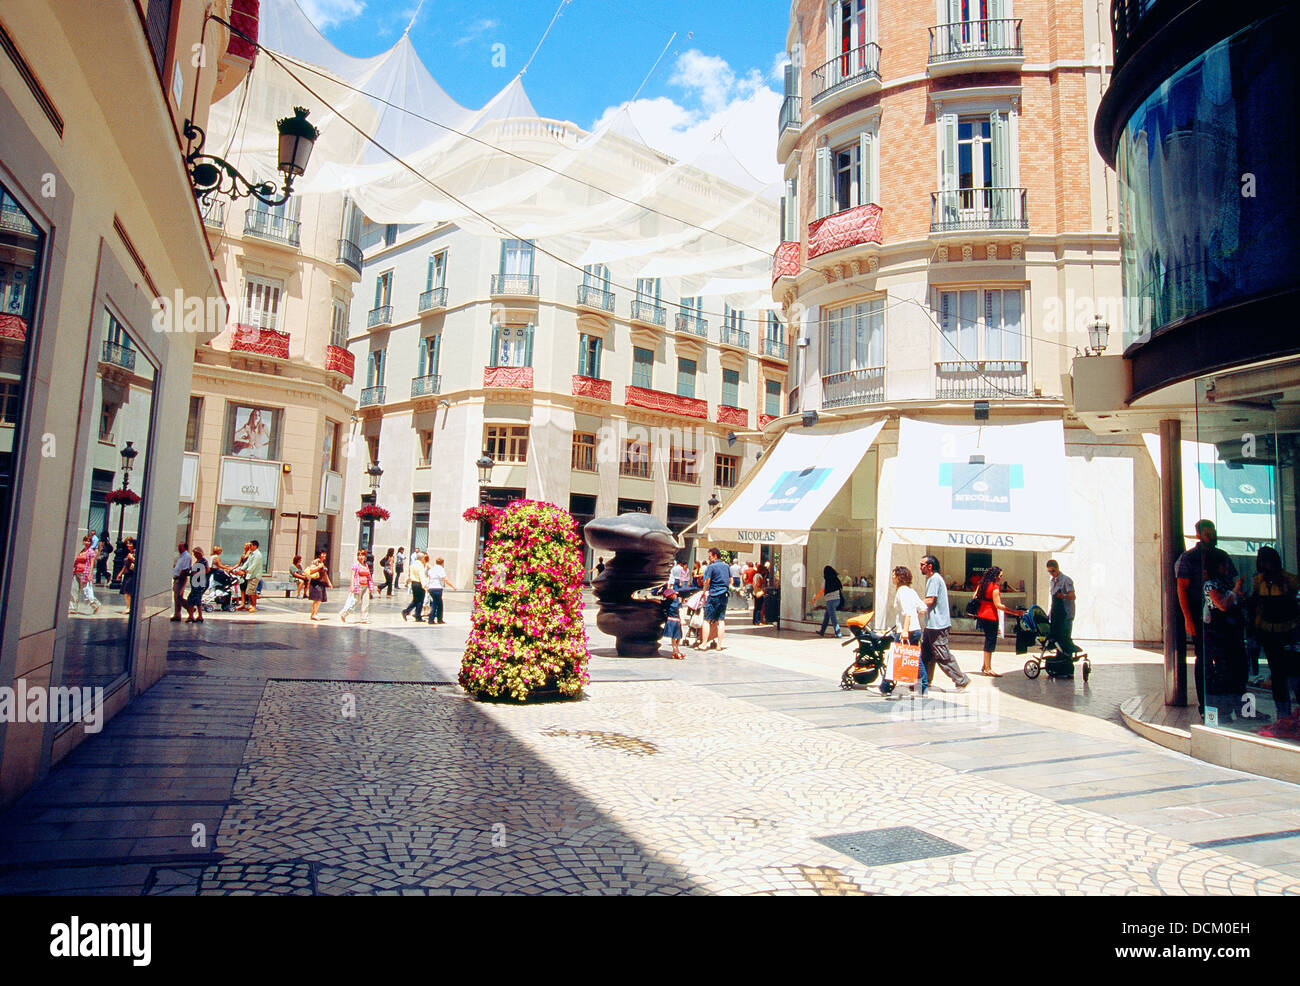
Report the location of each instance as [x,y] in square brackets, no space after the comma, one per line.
[83,574]
[988,597]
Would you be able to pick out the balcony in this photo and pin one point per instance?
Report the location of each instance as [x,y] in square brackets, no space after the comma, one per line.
[123,356]
[789,123]
[736,416]
[515,285]
[601,390]
[340,360]
[692,325]
[851,388]
[214,214]
[13,327]
[590,296]
[846,77]
[260,341]
[435,299]
[976,379]
[736,338]
[426,386]
[379,317]
[975,46]
[975,209]
[514,377]
[658,400]
[852,227]
[373,396]
[785,261]
[643,311]
[269,226]
[349,255]
[773,348]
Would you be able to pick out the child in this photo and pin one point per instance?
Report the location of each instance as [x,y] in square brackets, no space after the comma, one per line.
[673,626]
[362,586]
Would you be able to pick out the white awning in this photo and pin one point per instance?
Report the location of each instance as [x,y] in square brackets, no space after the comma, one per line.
[1239,496]
[795,484]
[995,486]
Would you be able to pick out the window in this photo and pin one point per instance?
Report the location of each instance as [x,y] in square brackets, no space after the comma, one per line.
[682,465]
[853,337]
[384,289]
[390,234]
[107,417]
[647,290]
[512,345]
[849,30]
[692,306]
[516,258]
[424,441]
[339,325]
[235,525]
[733,320]
[252,432]
[775,327]
[329,453]
[685,377]
[430,354]
[846,175]
[589,347]
[976,160]
[985,324]
[437,275]
[725,470]
[419,523]
[790,210]
[584,451]
[731,388]
[772,398]
[372,449]
[11,394]
[642,367]
[351,228]
[192,424]
[261,302]
[596,276]
[507,443]
[375,367]
[636,459]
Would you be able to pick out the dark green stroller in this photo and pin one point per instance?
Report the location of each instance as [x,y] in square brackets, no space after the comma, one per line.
[1033,629]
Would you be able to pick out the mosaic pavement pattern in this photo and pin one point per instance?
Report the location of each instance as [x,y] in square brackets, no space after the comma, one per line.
[650,787]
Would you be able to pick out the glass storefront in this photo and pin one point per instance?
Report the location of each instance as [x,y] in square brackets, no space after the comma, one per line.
[237,525]
[845,540]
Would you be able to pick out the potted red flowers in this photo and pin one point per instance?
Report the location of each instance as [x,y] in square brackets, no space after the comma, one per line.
[124,496]
[372,511]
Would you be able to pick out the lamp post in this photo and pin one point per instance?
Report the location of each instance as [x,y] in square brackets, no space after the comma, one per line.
[1098,335]
[484,464]
[128,463]
[714,503]
[375,474]
[214,175]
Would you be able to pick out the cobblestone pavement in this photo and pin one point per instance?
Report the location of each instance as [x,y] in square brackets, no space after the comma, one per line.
[745,772]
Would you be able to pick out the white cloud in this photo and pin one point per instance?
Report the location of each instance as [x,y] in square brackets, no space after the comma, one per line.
[476,30]
[327,13]
[779,61]
[744,108]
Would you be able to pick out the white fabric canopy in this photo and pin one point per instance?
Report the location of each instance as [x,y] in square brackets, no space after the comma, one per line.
[795,484]
[1015,498]
[1241,498]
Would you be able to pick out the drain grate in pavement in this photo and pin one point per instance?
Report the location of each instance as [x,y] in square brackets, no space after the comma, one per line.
[295,878]
[882,847]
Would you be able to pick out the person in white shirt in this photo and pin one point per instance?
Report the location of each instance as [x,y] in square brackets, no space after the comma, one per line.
[679,578]
[180,578]
[435,579]
[909,610]
[416,582]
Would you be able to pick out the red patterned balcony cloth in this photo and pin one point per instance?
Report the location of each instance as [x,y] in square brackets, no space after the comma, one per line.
[844,229]
[340,360]
[785,262]
[602,390]
[657,400]
[243,17]
[737,416]
[520,377]
[12,327]
[765,419]
[264,342]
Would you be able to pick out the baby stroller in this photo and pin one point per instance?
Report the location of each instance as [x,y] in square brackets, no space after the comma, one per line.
[869,662]
[1033,629]
[693,619]
[218,594]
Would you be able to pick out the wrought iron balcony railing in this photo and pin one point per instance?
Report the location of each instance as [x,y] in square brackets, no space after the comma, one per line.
[773,347]
[853,387]
[692,325]
[967,379]
[644,311]
[733,337]
[591,296]
[426,386]
[123,356]
[270,226]
[373,395]
[433,299]
[214,214]
[350,255]
[845,69]
[379,316]
[518,285]
[975,39]
[978,208]
[790,114]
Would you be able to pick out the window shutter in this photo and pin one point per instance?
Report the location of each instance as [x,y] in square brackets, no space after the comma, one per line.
[948,195]
[824,182]
[435,347]
[501,266]
[998,37]
[494,354]
[424,356]
[789,79]
[954,12]
[1001,155]
[528,346]
[379,290]
[866,168]
[596,352]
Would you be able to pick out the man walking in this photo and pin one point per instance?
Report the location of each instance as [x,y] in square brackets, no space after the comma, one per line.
[1061,621]
[1189,571]
[717,576]
[399,566]
[417,589]
[735,577]
[938,621]
[180,578]
[435,578]
[254,569]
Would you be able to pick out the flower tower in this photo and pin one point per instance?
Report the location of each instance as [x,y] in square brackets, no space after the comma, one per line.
[527,638]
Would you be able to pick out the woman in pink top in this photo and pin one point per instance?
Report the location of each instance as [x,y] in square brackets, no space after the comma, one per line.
[363,587]
[83,569]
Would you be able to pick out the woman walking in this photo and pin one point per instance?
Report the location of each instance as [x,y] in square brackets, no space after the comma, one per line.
[362,588]
[988,600]
[296,573]
[198,583]
[830,595]
[126,586]
[1273,599]
[759,587]
[387,567]
[908,609]
[318,580]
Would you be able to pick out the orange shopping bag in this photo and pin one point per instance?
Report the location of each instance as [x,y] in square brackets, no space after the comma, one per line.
[905,663]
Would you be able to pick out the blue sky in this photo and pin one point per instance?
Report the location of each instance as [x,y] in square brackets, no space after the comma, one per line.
[721,72]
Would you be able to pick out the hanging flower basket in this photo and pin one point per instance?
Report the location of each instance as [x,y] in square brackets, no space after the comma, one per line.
[484,512]
[372,512]
[128,497]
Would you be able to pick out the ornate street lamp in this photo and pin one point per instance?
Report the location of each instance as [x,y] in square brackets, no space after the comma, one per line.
[484,465]
[714,502]
[375,473]
[128,463]
[213,175]
[1098,335]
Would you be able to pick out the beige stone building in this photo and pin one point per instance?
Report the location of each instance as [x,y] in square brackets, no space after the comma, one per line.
[97,222]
